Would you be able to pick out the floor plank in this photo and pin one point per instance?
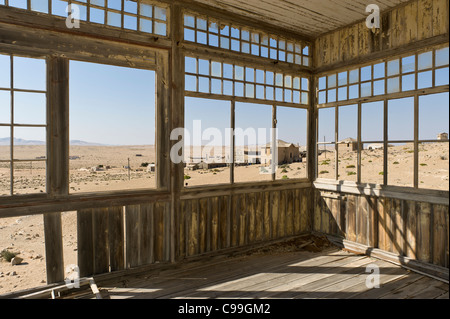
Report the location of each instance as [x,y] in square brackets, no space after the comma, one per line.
[329,274]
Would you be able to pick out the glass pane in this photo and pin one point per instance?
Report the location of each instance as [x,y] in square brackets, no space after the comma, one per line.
[203,67]
[408,82]
[366,73]
[191,83]
[5,143]
[30,108]
[424,80]
[348,142]
[5,177]
[30,143]
[331,96]
[425,60]
[379,70]
[366,89]
[326,125]
[441,77]
[378,87]
[401,119]
[348,124]
[442,57]
[113,147]
[393,85]
[409,64]
[342,78]
[216,69]
[393,67]
[354,76]
[326,161]
[207,151]
[433,116]
[433,166]
[24,79]
[372,163]
[5,107]
[5,71]
[292,143]
[401,164]
[332,81]
[190,65]
[253,138]
[372,121]
[30,177]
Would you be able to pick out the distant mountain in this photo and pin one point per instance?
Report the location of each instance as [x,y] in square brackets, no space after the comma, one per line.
[21,142]
[83,143]
[18,141]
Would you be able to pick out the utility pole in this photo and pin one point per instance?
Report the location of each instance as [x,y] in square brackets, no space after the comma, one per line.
[129,170]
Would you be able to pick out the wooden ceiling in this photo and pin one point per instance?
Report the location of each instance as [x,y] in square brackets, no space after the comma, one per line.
[310,18]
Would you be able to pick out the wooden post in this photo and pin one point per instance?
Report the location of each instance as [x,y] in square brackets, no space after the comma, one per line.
[58,161]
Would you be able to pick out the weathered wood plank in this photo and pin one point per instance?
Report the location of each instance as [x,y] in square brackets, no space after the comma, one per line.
[297,212]
[325,202]
[234,220]
[351,217]
[289,213]
[317,212]
[132,220]
[243,233]
[267,216]
[439,235]
[259,216]
[282,215]
[224,218]
[146,230]
[411,229]
[53,248]
[192,221]
[251,206]
[398,226]
[381,223]
[440,17]
[425,19]
[423,232]
[85,249]
[182,230]
[275,196]
[100,240]
[159,211]
[214,224]
[116,233]
[373,222]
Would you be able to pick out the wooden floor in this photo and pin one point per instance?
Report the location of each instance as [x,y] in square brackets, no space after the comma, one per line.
[329,274]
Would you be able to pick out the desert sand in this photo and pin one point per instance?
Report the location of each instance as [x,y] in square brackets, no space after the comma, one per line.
[25,235]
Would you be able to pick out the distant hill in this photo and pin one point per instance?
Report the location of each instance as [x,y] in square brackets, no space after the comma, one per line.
[21,142]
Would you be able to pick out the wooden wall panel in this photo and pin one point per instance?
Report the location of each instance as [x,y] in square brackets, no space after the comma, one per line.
[401,27]
[417,230]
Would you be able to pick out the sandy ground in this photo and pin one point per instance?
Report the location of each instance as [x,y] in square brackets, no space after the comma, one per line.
[25,235]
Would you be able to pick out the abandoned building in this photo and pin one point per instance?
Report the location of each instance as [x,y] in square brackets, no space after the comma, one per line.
[312,69]
[287,153]
[348,145]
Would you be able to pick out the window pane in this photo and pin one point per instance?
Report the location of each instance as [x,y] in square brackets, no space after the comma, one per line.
[442,57]
[207,142]
[393,67]
[5,71]
[253,142]
[30,143]
[401,119]
[441,77]
[326,161]
[292,143]
[372,120]
[348,142]
[425,60]
[433,166]
[409,64]
[5,177]
[112,128]
[24,79]
[372,163]
[401,164]
[5,143]
[433,116]
[30,108]
[326,125]
[5,107]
